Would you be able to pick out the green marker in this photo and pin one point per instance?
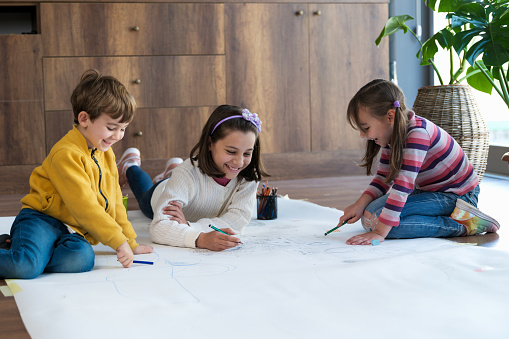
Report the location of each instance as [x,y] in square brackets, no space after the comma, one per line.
[218,230]
[335,228]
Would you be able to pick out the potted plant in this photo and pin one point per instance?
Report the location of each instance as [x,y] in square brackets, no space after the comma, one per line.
[476,29]
[484,34]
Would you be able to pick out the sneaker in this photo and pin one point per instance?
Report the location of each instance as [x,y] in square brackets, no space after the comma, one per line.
[131,157]
[5,241]
[473,219]
[170,166]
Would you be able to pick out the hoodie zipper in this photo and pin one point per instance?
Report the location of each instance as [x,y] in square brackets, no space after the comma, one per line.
[100,178]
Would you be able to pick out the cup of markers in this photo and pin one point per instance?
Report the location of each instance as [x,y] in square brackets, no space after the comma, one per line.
[266,203]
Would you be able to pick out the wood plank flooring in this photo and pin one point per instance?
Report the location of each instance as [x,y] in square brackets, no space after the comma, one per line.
[336,192]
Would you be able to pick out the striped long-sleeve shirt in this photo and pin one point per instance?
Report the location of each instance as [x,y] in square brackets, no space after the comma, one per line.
[432,161]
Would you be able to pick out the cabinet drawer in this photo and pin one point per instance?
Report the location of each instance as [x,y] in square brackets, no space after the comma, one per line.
[159,133]
[164,133]
[98,29]
[158,81]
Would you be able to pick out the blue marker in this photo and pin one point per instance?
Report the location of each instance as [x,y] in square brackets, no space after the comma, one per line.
[143,262]
[375,242]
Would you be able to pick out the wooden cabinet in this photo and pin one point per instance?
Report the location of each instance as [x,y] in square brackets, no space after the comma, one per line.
[170,57]
[21,114]
[343,58]
[267,54]
[295,64]
[299,65]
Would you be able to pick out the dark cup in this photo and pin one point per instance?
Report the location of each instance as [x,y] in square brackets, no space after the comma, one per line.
[266,206]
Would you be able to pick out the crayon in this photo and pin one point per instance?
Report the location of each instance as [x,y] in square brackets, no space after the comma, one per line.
[143,262]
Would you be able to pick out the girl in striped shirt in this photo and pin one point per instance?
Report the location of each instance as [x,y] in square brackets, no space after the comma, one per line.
[424,186]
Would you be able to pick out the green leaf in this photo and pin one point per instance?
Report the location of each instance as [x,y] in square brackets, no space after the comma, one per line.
[429,48]
[475,50]
[495,74]
[489,25]
[496,55]
[462,39]
[477,80]
[449,5]
[431,4]
[394,24]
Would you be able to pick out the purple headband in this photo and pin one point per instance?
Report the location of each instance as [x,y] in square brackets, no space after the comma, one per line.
[246,115]
[396,103]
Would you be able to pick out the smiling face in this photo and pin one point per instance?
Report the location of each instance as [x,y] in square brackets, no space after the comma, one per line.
[101,133]
[378,130]
[233,153]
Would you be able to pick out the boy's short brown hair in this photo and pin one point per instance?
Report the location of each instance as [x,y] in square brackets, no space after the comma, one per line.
[97,94]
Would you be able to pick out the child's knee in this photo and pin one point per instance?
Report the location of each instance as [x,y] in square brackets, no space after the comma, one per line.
[85,261]
[72,255]
[77,261]
[24,266]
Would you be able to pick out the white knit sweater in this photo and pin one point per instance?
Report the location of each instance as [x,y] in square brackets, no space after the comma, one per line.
[204,202]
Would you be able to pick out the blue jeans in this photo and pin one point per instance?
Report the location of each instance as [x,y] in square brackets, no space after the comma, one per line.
[143,189]
[426,214]
[40,243]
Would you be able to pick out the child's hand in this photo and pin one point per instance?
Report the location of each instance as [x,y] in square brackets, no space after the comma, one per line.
[354,212]
[124,255]
[174,210]
[142,249]
[364,239]
[380,232]
[217,241]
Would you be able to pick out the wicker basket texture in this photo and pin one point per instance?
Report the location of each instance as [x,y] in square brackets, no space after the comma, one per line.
[454,108]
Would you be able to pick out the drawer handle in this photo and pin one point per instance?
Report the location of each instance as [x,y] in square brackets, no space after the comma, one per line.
[318,12]
[138,134]
[137,81]
[136,28]
[299,13]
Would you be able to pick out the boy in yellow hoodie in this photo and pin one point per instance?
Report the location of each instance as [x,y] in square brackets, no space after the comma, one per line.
[75,200]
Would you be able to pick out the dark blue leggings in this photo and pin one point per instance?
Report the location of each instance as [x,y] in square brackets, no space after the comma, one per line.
[142,187]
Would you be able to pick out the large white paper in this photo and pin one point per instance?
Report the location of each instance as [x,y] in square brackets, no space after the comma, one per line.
[287,280]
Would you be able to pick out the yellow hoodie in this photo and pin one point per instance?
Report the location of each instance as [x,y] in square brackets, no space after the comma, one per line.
[79,187]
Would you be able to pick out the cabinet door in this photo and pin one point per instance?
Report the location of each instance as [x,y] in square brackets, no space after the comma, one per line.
[21,111]
[21,133]
[343,58]
[268,71]
[158,81]
[97,29]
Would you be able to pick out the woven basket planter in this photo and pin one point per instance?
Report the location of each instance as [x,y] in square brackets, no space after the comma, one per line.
[454,108]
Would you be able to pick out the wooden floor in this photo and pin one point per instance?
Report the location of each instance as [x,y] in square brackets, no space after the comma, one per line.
[337,192]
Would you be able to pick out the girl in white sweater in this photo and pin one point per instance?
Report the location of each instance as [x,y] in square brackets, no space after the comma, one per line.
[215,186]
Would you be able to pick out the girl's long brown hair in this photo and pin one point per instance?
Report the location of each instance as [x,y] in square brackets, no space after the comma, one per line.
[378,96]
[201,153]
